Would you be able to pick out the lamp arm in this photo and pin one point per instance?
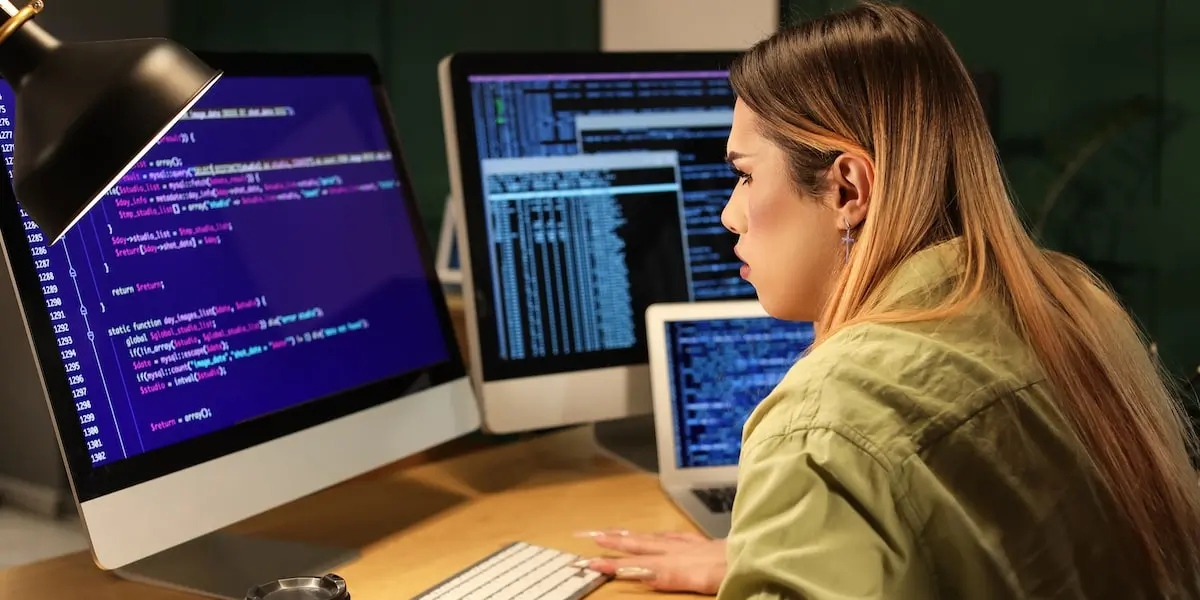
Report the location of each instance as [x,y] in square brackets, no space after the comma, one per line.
[23,43]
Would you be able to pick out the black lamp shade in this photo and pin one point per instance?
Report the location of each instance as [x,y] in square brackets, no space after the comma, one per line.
[87,113]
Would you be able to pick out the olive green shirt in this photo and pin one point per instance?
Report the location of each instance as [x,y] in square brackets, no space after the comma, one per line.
[919,461]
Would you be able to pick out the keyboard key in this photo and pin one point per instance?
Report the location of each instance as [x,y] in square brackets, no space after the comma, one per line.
[718,500]
[519,571]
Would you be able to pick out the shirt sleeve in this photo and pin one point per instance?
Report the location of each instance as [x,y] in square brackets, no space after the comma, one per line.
[815,518]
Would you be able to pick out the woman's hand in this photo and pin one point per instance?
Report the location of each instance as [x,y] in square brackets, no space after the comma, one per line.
[669,562]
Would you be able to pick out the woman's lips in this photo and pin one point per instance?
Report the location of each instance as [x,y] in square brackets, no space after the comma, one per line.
[745,272]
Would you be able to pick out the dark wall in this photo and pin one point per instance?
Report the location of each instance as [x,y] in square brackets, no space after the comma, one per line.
[408,38]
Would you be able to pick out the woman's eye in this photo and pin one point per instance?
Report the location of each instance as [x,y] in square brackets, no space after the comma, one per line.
[743,176]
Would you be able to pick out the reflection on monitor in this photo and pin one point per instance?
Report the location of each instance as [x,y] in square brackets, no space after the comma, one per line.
[251,312]
[590,186]
[719,369]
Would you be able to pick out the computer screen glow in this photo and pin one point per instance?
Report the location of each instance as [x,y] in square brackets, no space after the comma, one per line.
[602,194]
[720,370]
[260,256]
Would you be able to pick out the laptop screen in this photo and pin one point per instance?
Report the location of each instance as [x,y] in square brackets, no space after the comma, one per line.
[720,369]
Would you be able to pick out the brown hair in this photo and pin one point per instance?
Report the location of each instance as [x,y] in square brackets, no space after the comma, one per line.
[882,82]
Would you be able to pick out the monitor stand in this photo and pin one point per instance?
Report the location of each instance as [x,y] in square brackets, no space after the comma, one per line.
[449,260]
[630,440]
[225,565]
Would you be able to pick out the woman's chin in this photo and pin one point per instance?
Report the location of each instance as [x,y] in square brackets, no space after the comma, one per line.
[780,309]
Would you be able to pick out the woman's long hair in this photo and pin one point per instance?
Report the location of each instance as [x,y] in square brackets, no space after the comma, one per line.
[885,83]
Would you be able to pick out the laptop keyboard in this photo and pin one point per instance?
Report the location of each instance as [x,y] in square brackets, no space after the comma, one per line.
[718,500]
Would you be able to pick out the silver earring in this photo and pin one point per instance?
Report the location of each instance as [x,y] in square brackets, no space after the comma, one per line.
[847,239]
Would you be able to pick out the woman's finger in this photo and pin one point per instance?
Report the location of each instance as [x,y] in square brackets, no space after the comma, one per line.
[595,533]
[686,536]
[608,566]
[642,543]
[662,573]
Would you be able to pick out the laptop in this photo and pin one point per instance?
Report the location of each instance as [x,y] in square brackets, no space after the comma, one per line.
[711,363]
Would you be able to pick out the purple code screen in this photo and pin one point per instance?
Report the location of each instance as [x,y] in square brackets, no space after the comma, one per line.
[258,257]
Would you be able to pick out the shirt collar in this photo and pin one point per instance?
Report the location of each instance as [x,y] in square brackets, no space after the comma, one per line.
[924,277]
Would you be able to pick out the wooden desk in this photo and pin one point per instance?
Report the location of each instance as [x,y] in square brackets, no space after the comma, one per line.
[417,525]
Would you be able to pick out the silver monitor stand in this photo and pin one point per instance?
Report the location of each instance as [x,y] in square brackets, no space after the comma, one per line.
[226,565]
[630,440]
[449,274]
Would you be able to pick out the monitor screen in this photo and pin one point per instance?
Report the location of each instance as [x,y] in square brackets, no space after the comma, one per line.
[260,257]
[719,370]
[601,193]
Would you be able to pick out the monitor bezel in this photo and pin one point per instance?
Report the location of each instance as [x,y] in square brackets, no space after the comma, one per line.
[473,219]
[89,482]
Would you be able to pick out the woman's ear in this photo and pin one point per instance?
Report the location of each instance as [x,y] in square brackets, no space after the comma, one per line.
[852,177]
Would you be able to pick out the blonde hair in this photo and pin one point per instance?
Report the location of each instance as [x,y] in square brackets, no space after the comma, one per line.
[884,83]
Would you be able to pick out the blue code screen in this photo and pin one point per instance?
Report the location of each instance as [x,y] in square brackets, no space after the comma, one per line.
[602,194]
[259,256]
[720,370]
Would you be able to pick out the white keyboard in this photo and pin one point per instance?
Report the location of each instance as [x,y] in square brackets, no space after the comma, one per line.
[519,571]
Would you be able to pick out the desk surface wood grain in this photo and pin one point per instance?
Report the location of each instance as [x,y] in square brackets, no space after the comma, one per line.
[416,525]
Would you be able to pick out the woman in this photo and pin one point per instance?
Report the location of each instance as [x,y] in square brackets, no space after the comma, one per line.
[978,418]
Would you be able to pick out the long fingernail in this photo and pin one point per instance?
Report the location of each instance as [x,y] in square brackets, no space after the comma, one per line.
[582,563]
[596,534]
[634,573]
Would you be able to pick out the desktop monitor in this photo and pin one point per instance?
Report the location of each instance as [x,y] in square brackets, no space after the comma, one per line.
[588,186]
[250,315]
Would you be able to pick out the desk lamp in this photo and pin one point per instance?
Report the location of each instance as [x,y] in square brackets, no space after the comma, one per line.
[87,112]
